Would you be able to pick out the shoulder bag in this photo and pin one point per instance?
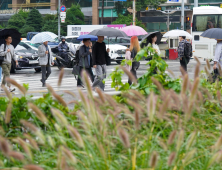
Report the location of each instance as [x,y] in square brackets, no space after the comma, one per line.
[2,57]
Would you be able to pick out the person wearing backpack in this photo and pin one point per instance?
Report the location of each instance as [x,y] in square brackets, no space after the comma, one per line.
[7,50]
[184,52]
[85,61]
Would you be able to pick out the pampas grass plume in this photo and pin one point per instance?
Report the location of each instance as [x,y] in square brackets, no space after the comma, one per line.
[32,167]
[41,116]
[185,84]
[154,159]
[197,71]
[8,94]
[124,138]
[172,137]
[4,146]
[8,113]
[60,118]
[171,158]
[75,134]
[30,126]
[208,64]
[218,143]
[61,74]
[129,74]
[180,139]
[68,154]
[17,155]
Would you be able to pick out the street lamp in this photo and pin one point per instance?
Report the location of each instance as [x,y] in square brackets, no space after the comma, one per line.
[168,12]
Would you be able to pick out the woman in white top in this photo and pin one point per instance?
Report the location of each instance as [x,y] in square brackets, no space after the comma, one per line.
[152,42]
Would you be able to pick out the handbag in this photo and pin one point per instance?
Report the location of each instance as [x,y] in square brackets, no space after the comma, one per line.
[2,57]
[76,70]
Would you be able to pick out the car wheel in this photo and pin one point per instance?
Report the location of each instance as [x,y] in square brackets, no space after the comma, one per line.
[118,62]
[37,70]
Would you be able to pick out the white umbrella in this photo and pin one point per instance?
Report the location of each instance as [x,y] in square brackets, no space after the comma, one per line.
[177,33]
[43,37]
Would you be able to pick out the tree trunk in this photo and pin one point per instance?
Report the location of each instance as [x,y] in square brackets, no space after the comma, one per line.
[102,12]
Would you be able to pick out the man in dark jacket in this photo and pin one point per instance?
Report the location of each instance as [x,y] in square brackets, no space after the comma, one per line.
[85,60]
[63,48]
[99,62]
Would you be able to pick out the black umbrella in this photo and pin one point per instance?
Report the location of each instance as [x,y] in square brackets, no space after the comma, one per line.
[213,33]
[16,36]
[147,39]
[109,32]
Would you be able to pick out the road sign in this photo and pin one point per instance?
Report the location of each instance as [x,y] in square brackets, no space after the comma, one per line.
[62,20]
[62,15]
[62,8]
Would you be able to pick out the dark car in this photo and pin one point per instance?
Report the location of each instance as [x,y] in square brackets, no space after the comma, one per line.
[27,58]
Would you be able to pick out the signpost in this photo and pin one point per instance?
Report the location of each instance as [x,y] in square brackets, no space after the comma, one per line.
[63,16]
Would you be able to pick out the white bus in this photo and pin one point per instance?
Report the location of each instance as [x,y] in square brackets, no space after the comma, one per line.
[205,18]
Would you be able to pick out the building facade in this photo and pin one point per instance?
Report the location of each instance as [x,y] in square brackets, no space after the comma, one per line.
[153,19]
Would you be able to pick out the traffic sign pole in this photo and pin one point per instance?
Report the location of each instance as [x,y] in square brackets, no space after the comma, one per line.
[59,20]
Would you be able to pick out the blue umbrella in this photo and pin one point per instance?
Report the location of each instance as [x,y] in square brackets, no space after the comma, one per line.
[91,37]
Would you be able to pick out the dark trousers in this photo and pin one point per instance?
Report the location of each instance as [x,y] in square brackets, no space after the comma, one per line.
[90,73]
[46,71]
[184,63]
[133,71]
[65,57]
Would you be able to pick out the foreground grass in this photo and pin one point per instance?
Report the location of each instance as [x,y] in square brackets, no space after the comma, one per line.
[166,131]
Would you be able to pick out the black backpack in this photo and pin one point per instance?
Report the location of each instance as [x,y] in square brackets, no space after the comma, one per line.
[77,56]
[188,52]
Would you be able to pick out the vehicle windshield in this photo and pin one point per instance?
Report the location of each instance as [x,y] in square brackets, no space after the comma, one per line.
[34,45]
[204,22]
[23,47]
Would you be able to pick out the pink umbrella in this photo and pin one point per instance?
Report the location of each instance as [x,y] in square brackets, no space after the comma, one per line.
[134,30]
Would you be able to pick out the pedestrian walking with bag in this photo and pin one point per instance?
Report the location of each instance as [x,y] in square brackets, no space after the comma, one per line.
[45,61]
[134,49]
[218,57]
[184,52]
[85,61]
[99,62]
[7,52]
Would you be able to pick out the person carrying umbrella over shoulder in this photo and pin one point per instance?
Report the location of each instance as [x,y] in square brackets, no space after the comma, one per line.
[218,56]
[45,61]
[85,60]
[7,50]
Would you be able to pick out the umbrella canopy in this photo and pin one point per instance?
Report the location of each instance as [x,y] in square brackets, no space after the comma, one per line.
[109,32]
[43,37]
[147,39]
[213,33]
[16,36]
[134,30]
[91,37]
[177,33]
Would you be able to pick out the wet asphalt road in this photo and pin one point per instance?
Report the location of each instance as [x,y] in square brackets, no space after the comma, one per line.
[69,82]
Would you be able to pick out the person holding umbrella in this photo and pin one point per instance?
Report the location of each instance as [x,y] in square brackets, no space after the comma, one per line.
[134,49]
[45,61]
[7,50]
[218,56]
[99,62]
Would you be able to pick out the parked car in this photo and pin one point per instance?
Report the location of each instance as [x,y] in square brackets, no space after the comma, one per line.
[120,40]
[27,58]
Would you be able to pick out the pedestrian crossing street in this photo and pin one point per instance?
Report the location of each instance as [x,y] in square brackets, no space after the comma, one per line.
[68,83]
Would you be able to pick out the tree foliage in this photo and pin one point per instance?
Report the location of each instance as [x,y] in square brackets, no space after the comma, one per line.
[25,29]
[16,22]
[128,20]
[35,20]
[74,16]
[50,23]
[23,14]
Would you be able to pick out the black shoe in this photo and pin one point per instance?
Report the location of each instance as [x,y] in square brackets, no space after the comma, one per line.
[41,80]
[81,86]
[43,85]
